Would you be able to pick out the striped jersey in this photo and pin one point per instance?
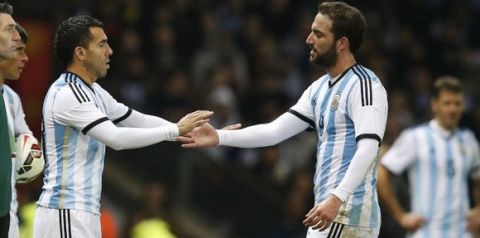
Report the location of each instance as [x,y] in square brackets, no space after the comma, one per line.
[351,108]
[17,126]
[438,163]
[74,160]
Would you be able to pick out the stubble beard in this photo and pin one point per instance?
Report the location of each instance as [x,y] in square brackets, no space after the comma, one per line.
[327,59]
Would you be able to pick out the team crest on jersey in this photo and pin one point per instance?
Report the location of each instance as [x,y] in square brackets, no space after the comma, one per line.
[335,102]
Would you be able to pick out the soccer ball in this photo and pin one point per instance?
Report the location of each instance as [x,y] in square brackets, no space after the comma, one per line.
[29,161]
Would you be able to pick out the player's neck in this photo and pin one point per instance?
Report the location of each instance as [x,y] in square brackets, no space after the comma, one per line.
[343,63]
[82,72]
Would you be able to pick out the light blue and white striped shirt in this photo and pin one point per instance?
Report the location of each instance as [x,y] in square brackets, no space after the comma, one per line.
[438,163]
[74,160]
[351,108]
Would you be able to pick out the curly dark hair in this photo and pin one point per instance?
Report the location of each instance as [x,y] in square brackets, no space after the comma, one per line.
[347,21]
[72,33]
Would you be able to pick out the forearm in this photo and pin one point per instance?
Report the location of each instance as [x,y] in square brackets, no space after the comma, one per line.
[282,128]
[360,164]
[387,195]
[140,120]
[120,138]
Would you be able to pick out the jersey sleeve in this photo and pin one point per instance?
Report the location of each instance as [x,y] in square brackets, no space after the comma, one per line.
[401,155]
[70,111]
[368,109]
[116,112]
[303,109]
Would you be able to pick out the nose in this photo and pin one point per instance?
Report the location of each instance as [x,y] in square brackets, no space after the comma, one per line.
[110,51]
[309,40]
[16,35]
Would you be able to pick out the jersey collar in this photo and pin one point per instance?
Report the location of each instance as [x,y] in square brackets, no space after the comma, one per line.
[444,133]
[75,76]
[330,84]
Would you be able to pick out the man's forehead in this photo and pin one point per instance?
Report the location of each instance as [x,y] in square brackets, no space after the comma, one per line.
[6,19]
[322,22]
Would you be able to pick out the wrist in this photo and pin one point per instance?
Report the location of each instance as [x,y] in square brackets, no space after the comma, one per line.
[336,199]
[341,195]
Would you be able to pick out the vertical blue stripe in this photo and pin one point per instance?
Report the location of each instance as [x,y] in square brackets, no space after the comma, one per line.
[449,213]
[71,161]
[350,145]
[59,134]
[319,164]
[433,179]
[88,171]
[315,95]
[331,135]
[416,195]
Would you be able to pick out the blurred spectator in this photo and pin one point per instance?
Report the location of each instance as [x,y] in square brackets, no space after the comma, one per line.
[150,219]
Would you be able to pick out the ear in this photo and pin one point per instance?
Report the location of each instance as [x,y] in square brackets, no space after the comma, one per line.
[343,43]
[80,53]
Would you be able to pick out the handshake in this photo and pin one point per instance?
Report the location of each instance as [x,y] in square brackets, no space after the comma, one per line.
[195,131]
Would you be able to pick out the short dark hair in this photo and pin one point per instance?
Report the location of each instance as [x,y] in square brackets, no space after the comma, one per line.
[347,21]
[23,33]
[447,83]
[73,32]
[6,8]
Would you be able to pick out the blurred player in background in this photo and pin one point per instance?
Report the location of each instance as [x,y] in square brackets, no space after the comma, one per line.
[16,118]
[9,40]
[348,109]
[80,119]
[439,158]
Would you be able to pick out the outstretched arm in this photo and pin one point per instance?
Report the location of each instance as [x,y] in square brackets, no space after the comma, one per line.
[140,120]
[285,126]
[120,138]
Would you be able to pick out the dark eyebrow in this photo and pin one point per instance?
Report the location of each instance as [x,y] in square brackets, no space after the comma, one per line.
[103,41]
[317,32]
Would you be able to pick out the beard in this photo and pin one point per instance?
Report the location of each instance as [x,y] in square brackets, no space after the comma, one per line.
[327,59]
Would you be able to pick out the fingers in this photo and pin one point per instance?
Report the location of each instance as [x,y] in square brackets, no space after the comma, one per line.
[233,127]
[319,217]
[311,217]
[322,225]
[184,139]
[201,114]
[201,122]
[190,146]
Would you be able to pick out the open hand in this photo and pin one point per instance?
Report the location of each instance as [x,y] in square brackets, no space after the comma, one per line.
[202,136]
[411,221]
[192,120]
[323,214]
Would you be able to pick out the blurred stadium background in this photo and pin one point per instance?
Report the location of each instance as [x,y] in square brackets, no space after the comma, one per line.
[247,61]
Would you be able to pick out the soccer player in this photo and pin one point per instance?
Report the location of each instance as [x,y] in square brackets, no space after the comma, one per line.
[11,69]
[348,109]
[80,119]
[439,158]
[9,39]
